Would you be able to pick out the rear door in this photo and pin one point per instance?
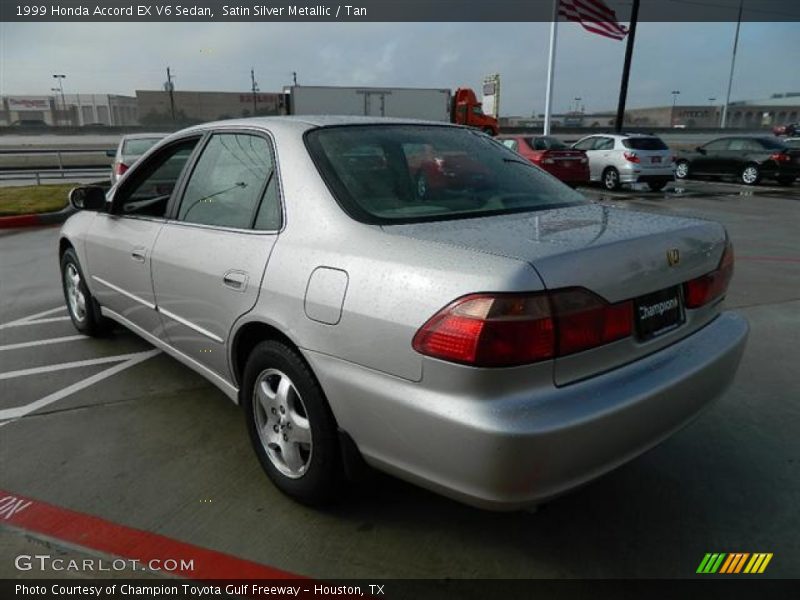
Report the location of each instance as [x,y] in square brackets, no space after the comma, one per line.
[210,257]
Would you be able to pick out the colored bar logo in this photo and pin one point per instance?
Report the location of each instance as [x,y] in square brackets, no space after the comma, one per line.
[734,563]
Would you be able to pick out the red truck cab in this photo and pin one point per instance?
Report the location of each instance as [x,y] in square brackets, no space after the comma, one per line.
[466,110]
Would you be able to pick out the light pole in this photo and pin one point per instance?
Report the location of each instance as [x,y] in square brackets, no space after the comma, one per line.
[61,79]
[675,94]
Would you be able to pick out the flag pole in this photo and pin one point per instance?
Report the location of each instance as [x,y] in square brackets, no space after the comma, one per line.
[626,69]
[548,101]
[724,116]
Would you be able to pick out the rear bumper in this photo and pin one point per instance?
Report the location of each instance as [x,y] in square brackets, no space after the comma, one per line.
[513,451]
[636,174]
[576,174]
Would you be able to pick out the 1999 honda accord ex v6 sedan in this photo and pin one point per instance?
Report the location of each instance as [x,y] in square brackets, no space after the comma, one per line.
[499,341]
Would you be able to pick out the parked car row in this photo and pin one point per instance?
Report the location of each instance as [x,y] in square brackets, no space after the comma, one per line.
[614,160]
[747,159]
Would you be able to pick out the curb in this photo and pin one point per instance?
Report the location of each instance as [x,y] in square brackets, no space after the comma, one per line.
[37,220]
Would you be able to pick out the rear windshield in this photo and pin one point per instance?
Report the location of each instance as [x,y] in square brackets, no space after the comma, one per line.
[644,143]
[410,173]
[546,143]
[138,146]
[771,144]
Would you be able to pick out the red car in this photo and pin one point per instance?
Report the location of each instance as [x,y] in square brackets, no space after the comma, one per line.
[435,173]
[569,165]
[789,129]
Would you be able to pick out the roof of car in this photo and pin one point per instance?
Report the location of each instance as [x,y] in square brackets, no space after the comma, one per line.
[142,136]
[309,121]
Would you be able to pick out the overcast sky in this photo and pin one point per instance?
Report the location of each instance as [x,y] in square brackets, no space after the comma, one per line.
[122,57]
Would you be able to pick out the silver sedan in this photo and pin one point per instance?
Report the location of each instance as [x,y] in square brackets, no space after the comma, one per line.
[489,335]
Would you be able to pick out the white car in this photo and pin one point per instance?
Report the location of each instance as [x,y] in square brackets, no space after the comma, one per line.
[616,159]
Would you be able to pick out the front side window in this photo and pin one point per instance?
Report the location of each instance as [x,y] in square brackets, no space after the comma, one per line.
[146,191]
[586,144]
[409,173]
[512,144]
[228,181]
[717,145]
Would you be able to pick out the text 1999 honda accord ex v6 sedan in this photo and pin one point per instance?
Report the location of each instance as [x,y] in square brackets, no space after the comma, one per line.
[493,337]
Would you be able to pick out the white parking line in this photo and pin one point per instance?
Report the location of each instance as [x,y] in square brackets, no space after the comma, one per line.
[68,365]
[31,318]
[59,340]
[9,415]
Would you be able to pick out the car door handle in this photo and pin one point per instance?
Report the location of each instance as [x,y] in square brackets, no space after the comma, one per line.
[236,280]
[139,254]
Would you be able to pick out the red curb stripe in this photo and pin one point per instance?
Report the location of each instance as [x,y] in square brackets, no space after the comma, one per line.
[20,221]
[126,542]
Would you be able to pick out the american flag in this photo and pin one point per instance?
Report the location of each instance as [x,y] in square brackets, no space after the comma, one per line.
[594,16]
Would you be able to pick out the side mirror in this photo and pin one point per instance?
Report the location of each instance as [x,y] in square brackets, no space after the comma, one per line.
[111,153]
[700,150]
[88,197]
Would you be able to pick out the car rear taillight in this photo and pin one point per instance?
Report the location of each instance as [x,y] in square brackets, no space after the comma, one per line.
[711,286]
[121,168]
[498,330]
[780,157]
[503,330]
[631,157]
[584,320]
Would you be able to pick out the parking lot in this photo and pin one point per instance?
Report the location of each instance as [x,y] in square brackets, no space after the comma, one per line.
[115,430]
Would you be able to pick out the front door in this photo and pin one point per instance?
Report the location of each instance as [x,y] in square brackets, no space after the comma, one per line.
[119,243]
[209,259]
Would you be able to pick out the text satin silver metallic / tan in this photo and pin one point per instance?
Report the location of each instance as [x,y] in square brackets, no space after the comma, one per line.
[413,294]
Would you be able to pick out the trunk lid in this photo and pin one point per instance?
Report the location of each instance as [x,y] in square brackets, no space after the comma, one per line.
[615,253]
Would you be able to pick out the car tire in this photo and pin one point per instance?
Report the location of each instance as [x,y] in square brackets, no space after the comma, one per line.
[611,179]
[750,175]
[682,169]
[84,310]
[488,131]
[657,186]
[787,181]
[290,424]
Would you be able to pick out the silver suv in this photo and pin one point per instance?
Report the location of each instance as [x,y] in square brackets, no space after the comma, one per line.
[615,159]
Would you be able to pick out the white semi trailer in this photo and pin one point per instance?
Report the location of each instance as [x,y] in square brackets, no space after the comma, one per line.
[413,103]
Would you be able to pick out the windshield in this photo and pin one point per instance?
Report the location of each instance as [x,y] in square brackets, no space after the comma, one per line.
[138,146]
[410,173]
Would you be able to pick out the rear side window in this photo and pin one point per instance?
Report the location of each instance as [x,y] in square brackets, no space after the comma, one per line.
[229,181]
[604,143]
[746,144]
[410,173]
[137,147]
[644,143]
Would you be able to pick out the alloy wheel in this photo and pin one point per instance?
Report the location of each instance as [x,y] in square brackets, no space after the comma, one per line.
[75,297]
[282,423]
